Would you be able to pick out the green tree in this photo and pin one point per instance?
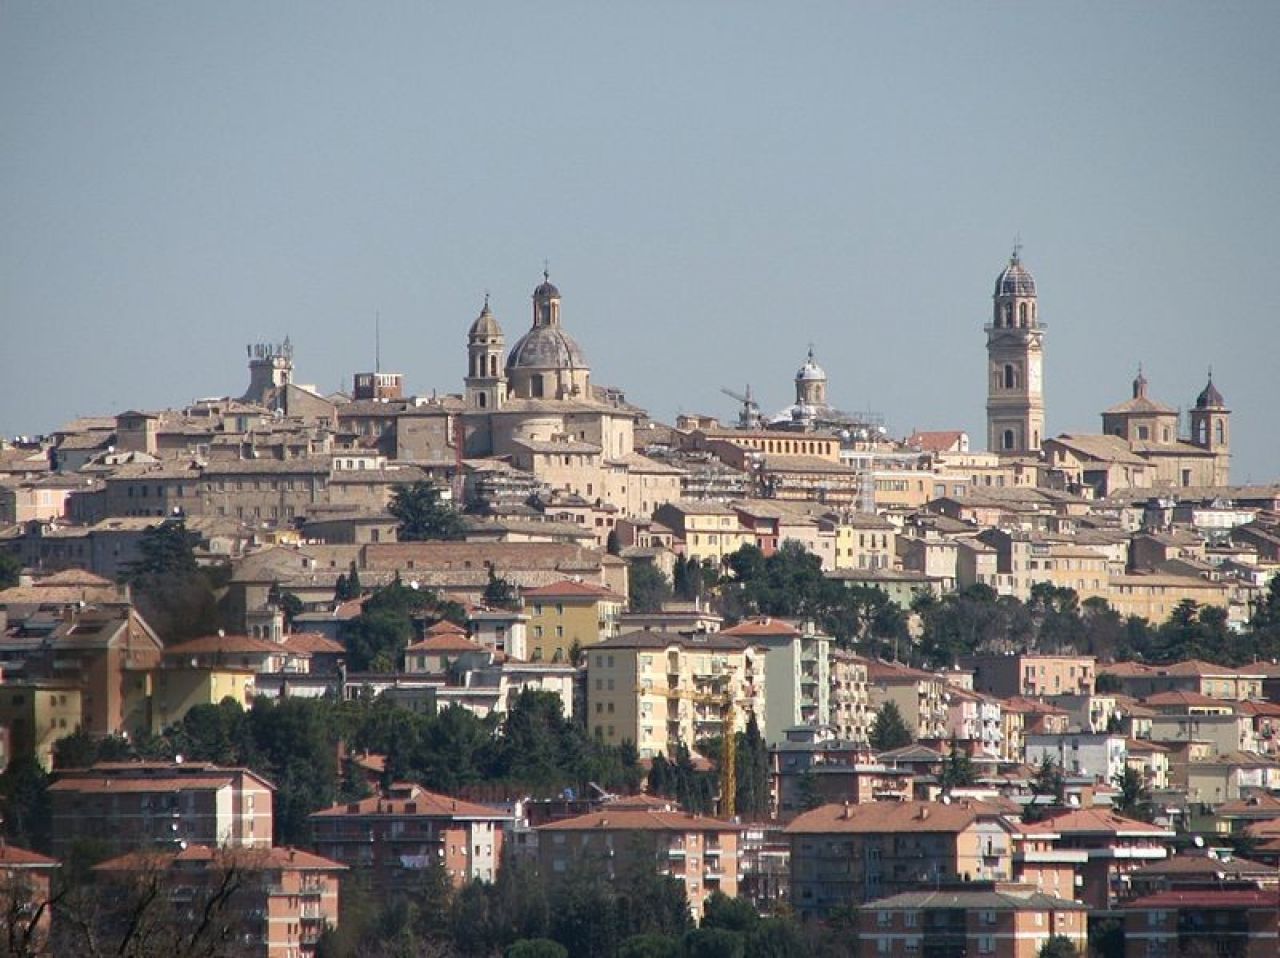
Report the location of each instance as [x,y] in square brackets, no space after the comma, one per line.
[713,943]
[649,946]
[1135,798]
[889,731]
[647,587]
[733,914]
[1058,946]
[292,607]
[1049,780]
[612,544]
[422,513]
[957,770]
[536,948]
[500,593]
[777,938]
[24,803]
[172,592]
[9,570]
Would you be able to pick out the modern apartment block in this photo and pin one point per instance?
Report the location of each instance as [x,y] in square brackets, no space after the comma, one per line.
[121,806]
[797,670]
[661,689]
[405,831]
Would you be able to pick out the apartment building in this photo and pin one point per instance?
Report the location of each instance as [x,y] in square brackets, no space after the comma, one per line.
[1193,675]
[851,714]
[285,900]
[121,806]
[797,673]
[1115,845]
[399,834]
[989,918]
[1098,755]
[702,853]
[661,689]
[37,714]
[1233,920]
[569,614]
[1031,675]
[847,854]
[920,696]
[704,529]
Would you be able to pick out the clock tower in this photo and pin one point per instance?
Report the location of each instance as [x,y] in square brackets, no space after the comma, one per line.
[1015,364]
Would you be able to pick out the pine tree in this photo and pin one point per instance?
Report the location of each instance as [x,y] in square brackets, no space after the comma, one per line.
[889,730]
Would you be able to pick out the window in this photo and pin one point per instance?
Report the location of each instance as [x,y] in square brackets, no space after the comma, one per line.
[1007,441]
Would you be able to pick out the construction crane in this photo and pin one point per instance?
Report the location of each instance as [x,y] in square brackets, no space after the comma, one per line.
[749,415]
[728,739]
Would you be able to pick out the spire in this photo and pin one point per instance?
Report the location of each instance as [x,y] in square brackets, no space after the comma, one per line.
[1139,383]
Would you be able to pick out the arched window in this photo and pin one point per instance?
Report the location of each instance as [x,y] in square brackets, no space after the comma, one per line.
[480,399]
[1008,314]
[1203,433]
[1006,441]
[1010,376]
[1022,314]
[536,383]
[1219,432]
[493,366]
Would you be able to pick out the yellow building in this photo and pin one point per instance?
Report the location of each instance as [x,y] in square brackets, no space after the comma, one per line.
[1154,597]
[706,529]
[37,714]
[177,690]
[864,541]
[661,689]
[568,614]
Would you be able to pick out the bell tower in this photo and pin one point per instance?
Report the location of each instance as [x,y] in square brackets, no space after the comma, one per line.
[1015,364]
[486,379]
[1211,430]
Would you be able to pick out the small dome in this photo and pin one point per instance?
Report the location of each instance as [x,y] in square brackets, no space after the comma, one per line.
[1015,279]
[1209,397]
[546,289]
[485,326]
[546,347]
[810,371]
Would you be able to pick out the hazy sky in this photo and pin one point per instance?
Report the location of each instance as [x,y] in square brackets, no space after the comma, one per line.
[716,185]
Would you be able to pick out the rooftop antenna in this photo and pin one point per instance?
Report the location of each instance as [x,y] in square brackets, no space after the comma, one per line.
[377,341]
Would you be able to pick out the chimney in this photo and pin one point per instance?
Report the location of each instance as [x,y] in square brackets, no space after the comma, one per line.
[924,812]
[847,811]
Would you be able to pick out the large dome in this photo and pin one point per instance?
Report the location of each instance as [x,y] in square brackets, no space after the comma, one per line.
[546,347]
[1015,280]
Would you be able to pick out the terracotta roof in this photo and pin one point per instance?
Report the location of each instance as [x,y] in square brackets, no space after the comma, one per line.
[1188,864]
[892,817]
[1207,898]
[645,639]
[647,819]
[1259,805]
[1184,698]
[248,859]
[889,672]
[1096,821]
[411,800]
[943,441]
[570,588]
[445,627]
[227,645]
[312,643]
[448,642]
[76,577]
[11,856]
[136,786]
[1139,745]
[974,899]
[762,626]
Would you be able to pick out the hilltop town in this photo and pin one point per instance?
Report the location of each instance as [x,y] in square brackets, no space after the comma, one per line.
[521,670]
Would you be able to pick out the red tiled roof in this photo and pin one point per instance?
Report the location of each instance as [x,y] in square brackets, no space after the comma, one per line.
[417,801]
[227,645]
[11,856]
[1183,698]
[1096,821]
[892,817]
[936,441]
[633,820]
[249,859]
[761,626]
[447,642]
[1207,898]
[312,643]
[571,588]
[445,627]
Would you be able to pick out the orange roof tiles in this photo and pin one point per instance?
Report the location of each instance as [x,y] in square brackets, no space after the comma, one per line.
[647,819]
[762,626]
[411,800]
[891,817]
[571,588]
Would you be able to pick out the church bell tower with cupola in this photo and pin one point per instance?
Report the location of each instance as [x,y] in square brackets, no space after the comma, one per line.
[486,379]
[1211,430]
[1015,364]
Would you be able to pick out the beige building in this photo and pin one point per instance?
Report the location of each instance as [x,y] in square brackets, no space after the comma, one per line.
[704,529]
[38,713]
[285,901]
[702,853]
[851,714]
[996,919]
[662,689]
[1032,675]
[569,614]
[919,697]
[126,805]
[847,855]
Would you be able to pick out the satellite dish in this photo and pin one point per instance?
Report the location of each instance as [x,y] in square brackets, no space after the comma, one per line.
[413,584]
[1199,841]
